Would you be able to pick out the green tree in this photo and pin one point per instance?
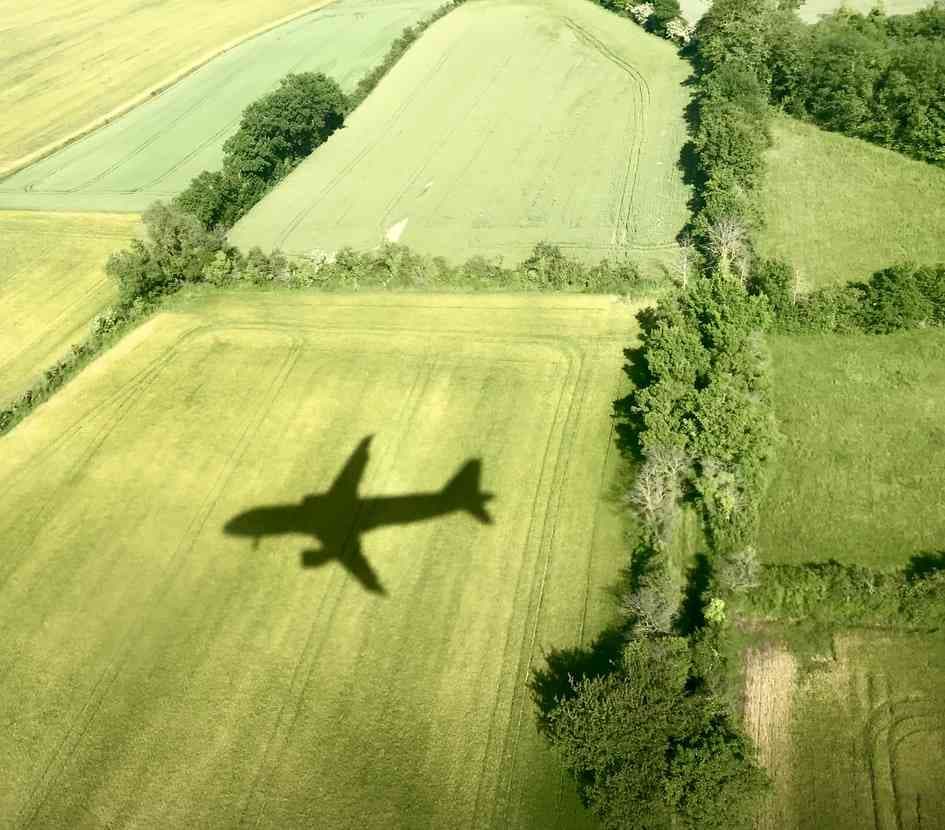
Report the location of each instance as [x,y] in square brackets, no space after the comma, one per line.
[646,751]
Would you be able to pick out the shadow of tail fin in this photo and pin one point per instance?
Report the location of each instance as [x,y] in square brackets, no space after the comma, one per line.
[462,492]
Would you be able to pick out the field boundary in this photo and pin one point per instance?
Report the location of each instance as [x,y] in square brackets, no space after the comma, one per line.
[162,86]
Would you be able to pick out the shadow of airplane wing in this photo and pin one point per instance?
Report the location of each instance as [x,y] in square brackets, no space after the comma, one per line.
[358,566]
[354,562]
[345,485]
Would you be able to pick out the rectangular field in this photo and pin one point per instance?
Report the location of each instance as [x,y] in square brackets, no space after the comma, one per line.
[839,208]
[158,672]
[860,475]
[506,124]
[52,282]
[859,742]
[66,63]
[155,150]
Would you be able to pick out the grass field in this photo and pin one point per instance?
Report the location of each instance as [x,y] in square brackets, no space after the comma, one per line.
[506,124]
[158,672]
[65,63]
[860,476]
[858,743]
[840,208]
[52,282]
[811,10]
[156,149]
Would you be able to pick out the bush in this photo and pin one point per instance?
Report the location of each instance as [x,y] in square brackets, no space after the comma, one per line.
[646,750]
[836,594]
[178,250]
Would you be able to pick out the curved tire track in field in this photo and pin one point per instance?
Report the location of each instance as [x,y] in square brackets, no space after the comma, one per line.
[642,102]
[889,723]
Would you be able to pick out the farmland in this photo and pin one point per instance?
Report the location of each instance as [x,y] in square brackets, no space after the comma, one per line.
[52,282]
[66,63]
[156,149]
[860,475]
[840,208]
[860,741]
[504,125]
[190,679]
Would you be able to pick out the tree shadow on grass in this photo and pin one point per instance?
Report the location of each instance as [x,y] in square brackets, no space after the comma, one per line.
[566,667]
[923,565]
[691,615]
[629,425]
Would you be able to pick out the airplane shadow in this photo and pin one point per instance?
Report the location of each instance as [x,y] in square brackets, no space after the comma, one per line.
[338,518]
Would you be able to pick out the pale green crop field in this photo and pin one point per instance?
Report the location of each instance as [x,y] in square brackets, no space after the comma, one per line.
[507,123]
[158,672]
[52,283]
[155,150]
[839,208]
[860,474]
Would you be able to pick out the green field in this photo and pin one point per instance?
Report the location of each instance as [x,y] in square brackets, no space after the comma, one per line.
[857,744]
[155,150]
[506,124]
[860,476]
[52,282]
[159,672]
[839,208]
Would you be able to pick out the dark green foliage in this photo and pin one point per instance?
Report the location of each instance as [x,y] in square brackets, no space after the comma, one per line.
[646,750]
[213,197]
[702,386]
[713,781]
[276,132]
[774,279]
[731,126]
[837,594]
[178,250]
[877,78]
[894,300]
[904,296]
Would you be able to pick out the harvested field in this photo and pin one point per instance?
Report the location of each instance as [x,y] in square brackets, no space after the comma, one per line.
[867,737]
[839,208]
[770,676]
[155,150]
[860,476]
[506,124]
[52,282]
[160,672]
[66,63]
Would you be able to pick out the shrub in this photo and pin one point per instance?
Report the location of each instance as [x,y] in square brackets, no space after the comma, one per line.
[646,750]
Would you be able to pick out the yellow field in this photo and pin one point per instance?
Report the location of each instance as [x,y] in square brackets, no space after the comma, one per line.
[161,672]
[67,63]
[52,282]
